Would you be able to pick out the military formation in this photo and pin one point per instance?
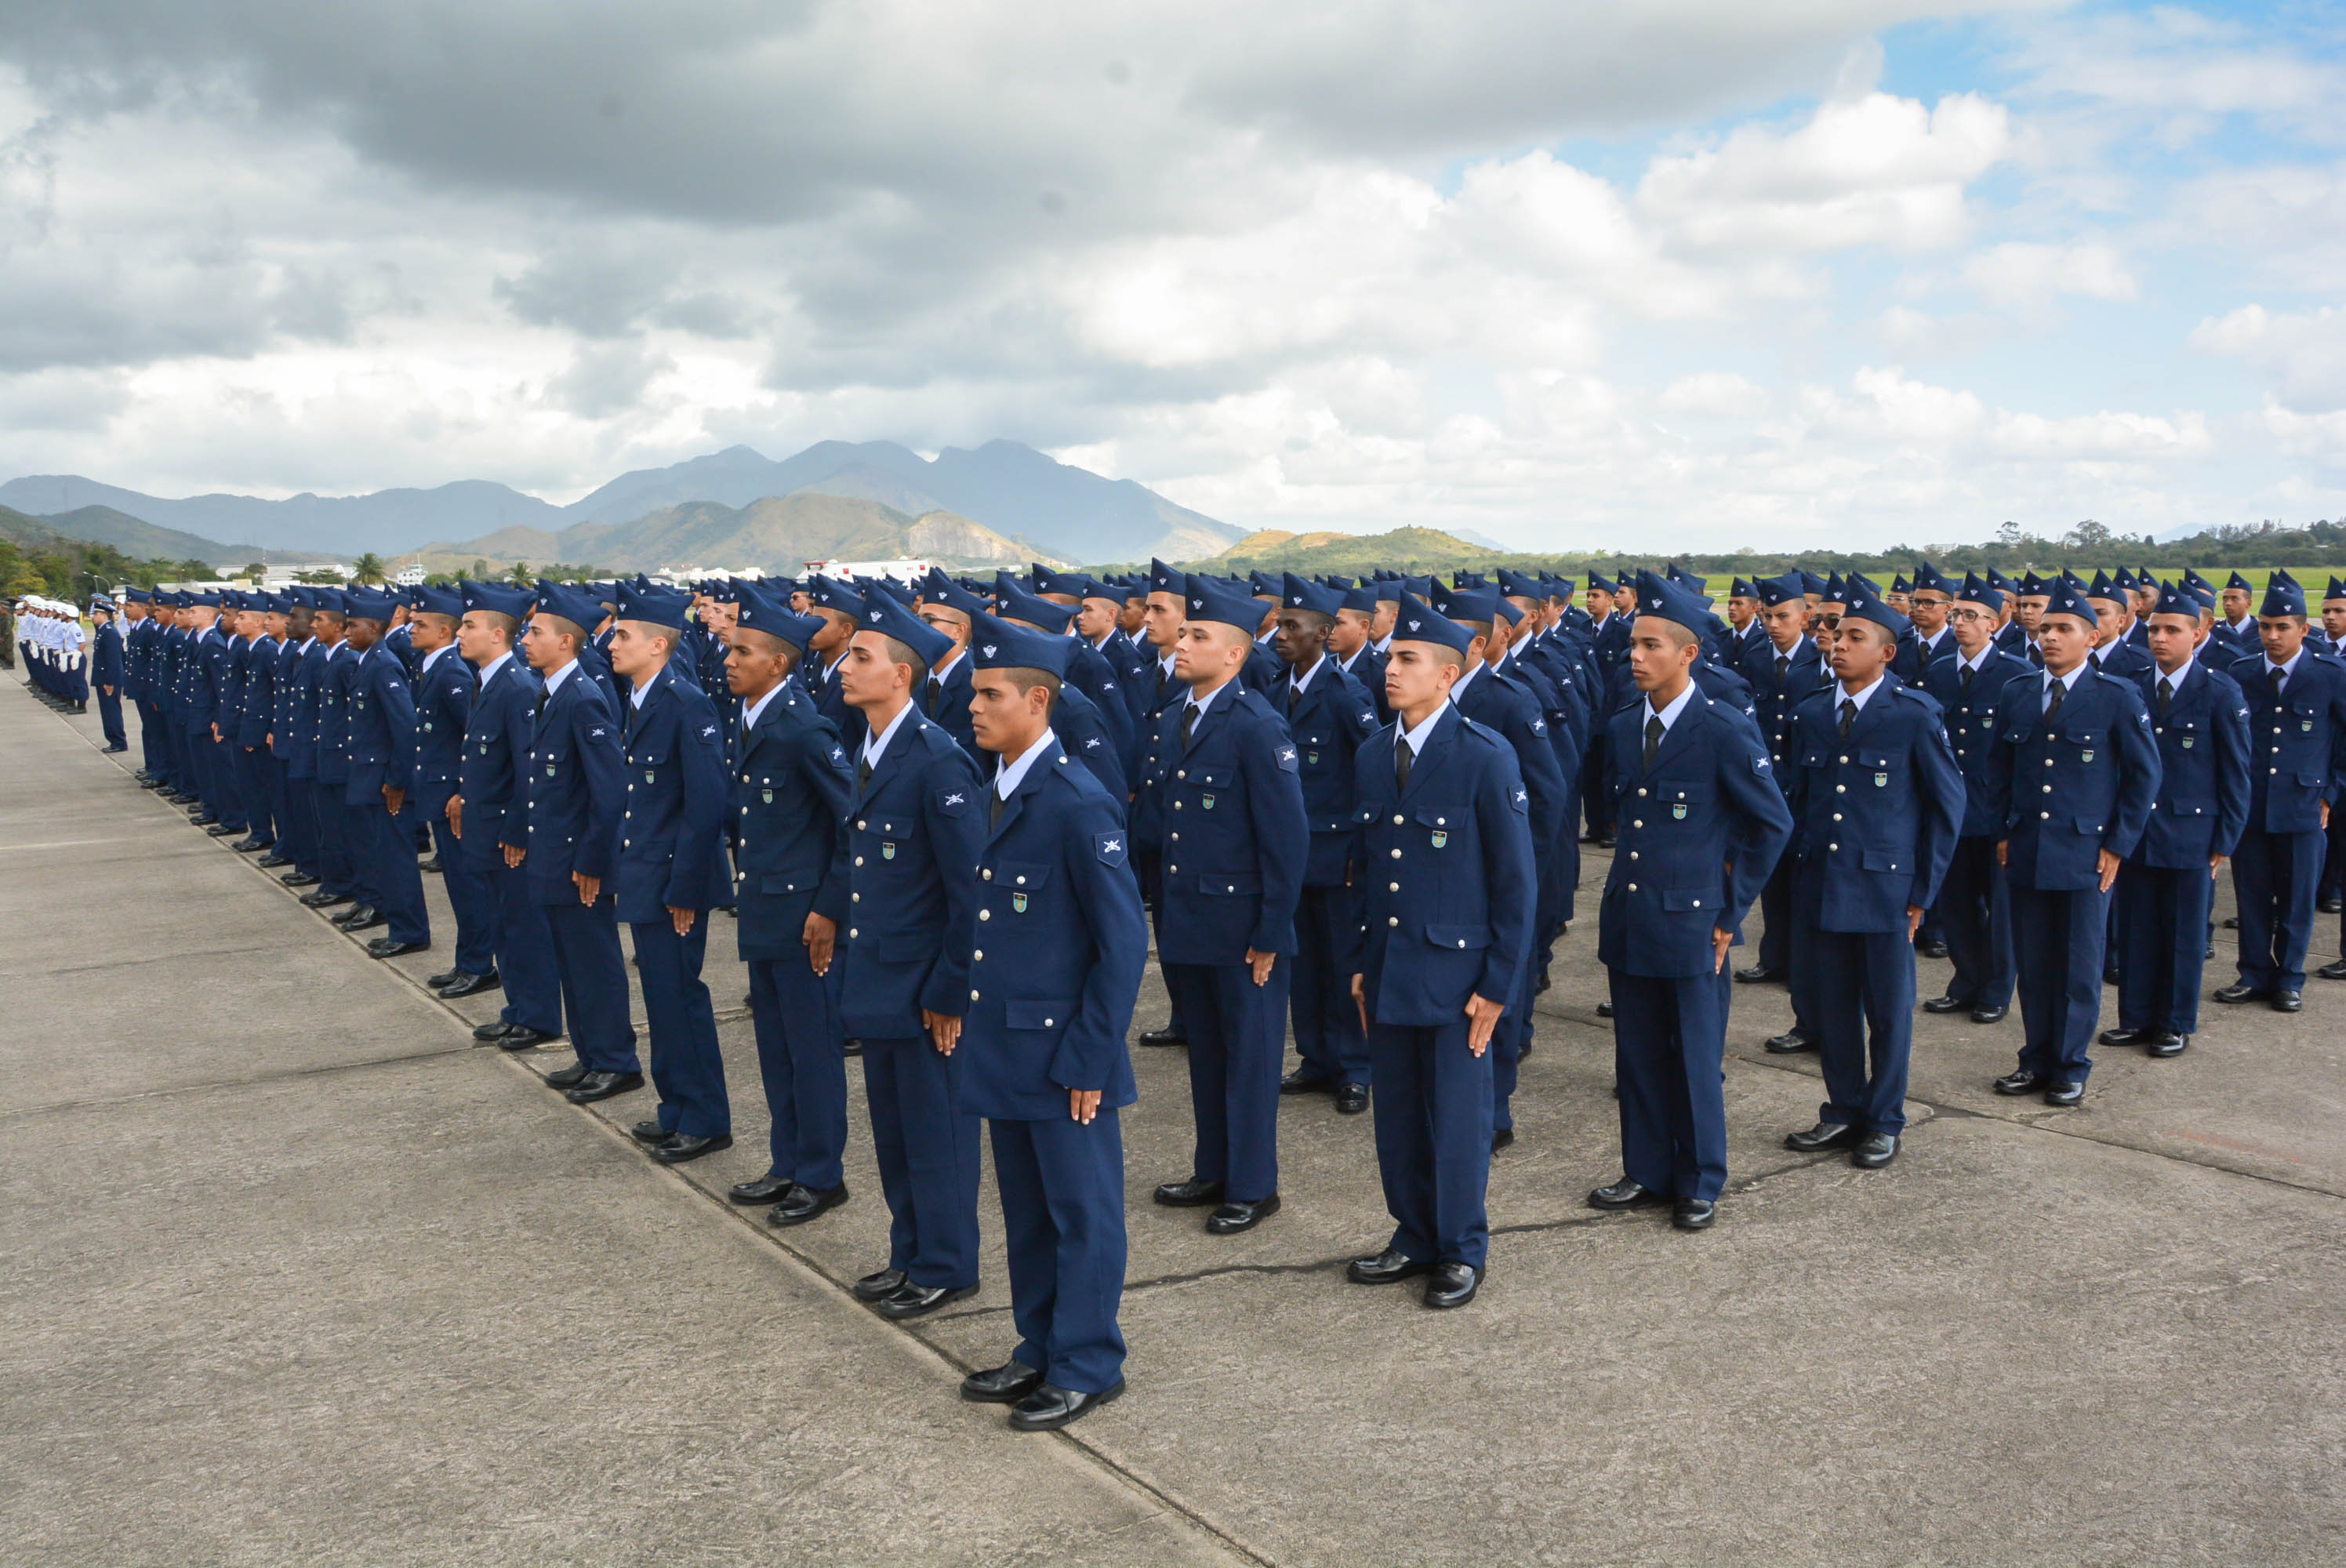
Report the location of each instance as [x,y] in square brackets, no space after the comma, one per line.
[943,818]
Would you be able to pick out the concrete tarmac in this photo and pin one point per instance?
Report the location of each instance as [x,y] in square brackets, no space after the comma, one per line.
[298,1274]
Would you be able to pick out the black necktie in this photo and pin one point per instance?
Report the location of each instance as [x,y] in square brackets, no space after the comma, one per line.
[1963,680]
[935,696]
[993,805]
[1403,759]
[1189,723]
[2166,694]
[1848,714]
[1653,738]
[2273,680]
[1783,669]
[540,711]
[1294,695]
[2053,703]
[863,771]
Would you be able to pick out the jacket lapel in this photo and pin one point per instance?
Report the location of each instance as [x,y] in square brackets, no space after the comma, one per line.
[1437,746]
[1678,736]
[882,770]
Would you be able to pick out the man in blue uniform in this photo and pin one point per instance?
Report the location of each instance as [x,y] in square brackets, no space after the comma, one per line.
[1165,605]
[1974,904]
[2297,723]
[792,787]
[902,881]
[1783,669]
[1228,793]
[2201,722]
[106,676]
[1448,881]
[2071,777]
[1876,801]
[1699,823]
[565,836]
[381,716]
[671,869]
[1041,1048]
[444,708]
[1328,718]
[950,610]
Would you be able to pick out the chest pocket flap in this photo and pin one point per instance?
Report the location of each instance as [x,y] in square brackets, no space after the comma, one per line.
[1017,874]
[1214,777]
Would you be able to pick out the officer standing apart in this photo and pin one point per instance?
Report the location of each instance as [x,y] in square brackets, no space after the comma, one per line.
[1699,824]
[444,684]
[2296,717]
[1236,844]
[1876,801]
[2072,776]
[106,672]
[791,787]
[2201,721]
[567,837]
[1041,1054]
[902,881]
[1328,717]
[671,869]
[382,718]
[1448,880]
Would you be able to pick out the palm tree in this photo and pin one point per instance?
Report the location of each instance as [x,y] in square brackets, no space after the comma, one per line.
[369,568]
[520,574]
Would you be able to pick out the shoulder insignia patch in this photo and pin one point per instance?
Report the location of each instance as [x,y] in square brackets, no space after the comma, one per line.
[1522,800]
[1287,762]
[1760,764]
[1109,847]
[952,802]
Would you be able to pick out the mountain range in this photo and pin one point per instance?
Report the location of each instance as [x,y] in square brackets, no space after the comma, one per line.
[1011,491]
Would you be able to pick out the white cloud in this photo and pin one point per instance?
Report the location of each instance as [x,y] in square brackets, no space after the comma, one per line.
[2299,355]
[2022,274]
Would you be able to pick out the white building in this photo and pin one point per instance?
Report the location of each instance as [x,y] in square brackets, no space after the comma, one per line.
[409,576]
[907,571]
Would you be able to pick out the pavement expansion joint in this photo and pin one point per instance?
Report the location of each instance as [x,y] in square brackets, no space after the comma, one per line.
[321,1070]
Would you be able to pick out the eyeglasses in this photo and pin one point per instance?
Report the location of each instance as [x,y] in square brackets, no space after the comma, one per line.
[1969,616]
[1830,623]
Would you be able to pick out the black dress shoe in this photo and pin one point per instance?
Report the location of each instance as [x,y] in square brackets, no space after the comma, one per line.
[114,749]
[495,1029]
[351,913]
[1168,1035]
[1540,989]
[2330,905]
[2110,976]
[568,1077]
[2242,992]
[1452,1285]
[1387,1267]
[650,1133]
[1004,1385]
[445,977]
[805,1203]
[392,947]
[2065,1094]
[2126,1036]
[274,859]
[1232,1217]
[203,819]
[1989,1014]
[364,920]
[1758,974]
[2167,1043]
[684,1146]
[910,1300]
[1604,1010]
[522,1037]
[2288,1002]
[771,1187]
[1352,1099]
[1190,1194]
[220,831]
[1947,1004]
[1693,1214]
[850,1047]
[2333,971]
[2022,1082]
[1790,1043]
[1625,1193]
[596,1086]
[1824,1136]
[1306,1080]
[248,844]
[2231,923]
[2209,956]
[430,867]
[1932,949]
[298,880]
[1502,1138]
[470,985]
[1874,1151]
[1049,1407]
[879,1286]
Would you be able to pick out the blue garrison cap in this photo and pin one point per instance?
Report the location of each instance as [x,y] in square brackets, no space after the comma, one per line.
[1999,582]
[366,605]
[2237,581]
[1864,604]
[2030,584]
[570,603]
[995,644]
[449,602]
[2105,588]
[497,599]
[1515,585]
[137,595]
[2175,599]
[1389,589]
[1899,584]
[1743,588]
[1599,583]
[1212,599]
[1300,593]
[830,593]
[937,588]
[875,587]
[2337,590]
[1419,622]
[1927,576]
[1464,604]
[2066,597]
[1165,579]
[1779,590]
[1012,601]
[1658,595]
[768,610]
[1810,581]
[1834,588]
[1977,590]
[2283,597]
[655,606]
[1361,596]
[883,614]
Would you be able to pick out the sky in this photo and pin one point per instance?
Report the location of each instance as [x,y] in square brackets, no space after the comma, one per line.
[1682,274]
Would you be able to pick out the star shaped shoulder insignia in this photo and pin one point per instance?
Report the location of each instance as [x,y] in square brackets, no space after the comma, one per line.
[954,799]
[596,734]
[1092,744]
[710,730]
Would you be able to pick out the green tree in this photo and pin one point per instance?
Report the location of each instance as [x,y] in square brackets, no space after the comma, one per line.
[520,575]
[256,570]
[480,572]
[368,569]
